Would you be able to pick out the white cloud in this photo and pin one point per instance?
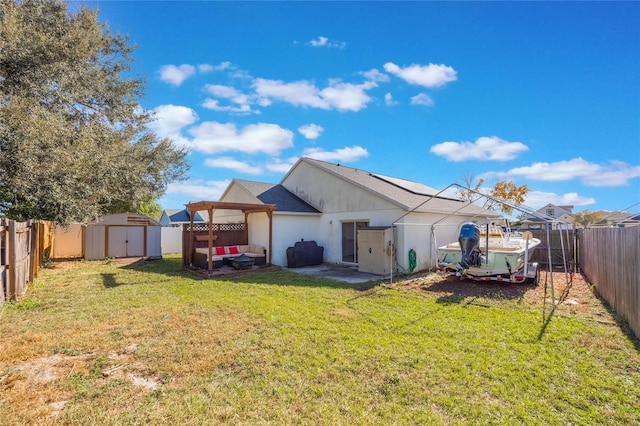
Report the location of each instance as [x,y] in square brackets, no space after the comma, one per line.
[375,75]
[311,131]
[324,42]
[199,189]
[232,94]
[204,68]
[388,99]
[222,66]
[346,96]
[538,199]
[232,164]
[176,74]
[214,105]
[299,93]
[555,172]
[212,137]
[320,41]
[227,92]
[338,95]
[281,166]
[431,75]
[616,173]
[347,154]
[170,120]
[484,148]
[422,99]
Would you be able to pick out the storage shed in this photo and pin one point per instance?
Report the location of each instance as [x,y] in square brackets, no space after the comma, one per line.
[123,235]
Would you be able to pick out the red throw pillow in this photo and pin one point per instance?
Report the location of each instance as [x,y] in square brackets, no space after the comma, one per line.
[234,250]
[219,251]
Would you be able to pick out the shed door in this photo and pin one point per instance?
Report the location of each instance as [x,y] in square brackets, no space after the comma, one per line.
[135,241]
[126,241]
[371,251]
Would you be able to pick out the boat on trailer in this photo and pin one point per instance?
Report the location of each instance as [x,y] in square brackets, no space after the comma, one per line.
[490,253]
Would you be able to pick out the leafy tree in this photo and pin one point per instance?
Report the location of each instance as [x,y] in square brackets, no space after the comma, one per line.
[74,143]
[149,208]
[587,218]
[502,190]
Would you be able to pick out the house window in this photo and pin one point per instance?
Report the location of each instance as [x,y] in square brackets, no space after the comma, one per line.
[550,212]
[350,240]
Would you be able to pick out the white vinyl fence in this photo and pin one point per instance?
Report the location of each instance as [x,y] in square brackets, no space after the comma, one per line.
[171,240]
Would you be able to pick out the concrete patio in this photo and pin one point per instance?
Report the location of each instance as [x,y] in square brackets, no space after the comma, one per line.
[344,273]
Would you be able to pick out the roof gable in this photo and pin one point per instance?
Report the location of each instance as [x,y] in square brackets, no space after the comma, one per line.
[276,194]
[407,195]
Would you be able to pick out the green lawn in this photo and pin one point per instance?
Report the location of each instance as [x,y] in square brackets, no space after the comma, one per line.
[98,343]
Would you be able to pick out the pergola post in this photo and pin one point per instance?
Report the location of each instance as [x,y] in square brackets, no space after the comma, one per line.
[270,214]
[191,237]
[210,242]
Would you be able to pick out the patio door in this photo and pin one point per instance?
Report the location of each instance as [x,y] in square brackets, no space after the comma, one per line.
[350,240]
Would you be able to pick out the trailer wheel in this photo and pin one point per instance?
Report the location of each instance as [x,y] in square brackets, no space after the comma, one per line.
[535,280]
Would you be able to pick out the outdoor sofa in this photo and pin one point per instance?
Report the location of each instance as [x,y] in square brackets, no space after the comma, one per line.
[223,255]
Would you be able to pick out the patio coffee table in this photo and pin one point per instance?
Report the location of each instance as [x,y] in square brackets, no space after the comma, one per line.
[242,262]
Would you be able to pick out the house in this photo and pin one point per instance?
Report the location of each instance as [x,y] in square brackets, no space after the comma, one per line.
[617,218]
[331,204]
[177,217]
[559,216]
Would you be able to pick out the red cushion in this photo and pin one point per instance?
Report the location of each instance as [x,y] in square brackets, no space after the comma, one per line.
[234,250]
[219,251]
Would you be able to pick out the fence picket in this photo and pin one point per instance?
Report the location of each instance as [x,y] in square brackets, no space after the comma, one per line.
[18,257]
[4,273]
[610,259]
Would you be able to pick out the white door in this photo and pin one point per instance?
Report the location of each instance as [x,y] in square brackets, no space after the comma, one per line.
[371,251]
[117,241]
[126,241]
[135,241]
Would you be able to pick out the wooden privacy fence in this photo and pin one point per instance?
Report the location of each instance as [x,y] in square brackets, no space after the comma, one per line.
[19,264]
[558,240]
[610,259]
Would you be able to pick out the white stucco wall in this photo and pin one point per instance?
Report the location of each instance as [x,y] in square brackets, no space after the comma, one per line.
[290,228]
[330,228]
[330,194]
[425,232]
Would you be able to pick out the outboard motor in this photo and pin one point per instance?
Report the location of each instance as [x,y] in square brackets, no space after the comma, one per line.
[469,240]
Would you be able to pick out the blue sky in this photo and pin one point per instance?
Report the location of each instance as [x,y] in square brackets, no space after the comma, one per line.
[543,94]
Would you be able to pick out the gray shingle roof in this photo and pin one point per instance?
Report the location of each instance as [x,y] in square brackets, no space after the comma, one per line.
[182,216]
[269,193]
[406,194]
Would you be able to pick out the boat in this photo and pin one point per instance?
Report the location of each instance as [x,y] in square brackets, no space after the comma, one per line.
[490,253]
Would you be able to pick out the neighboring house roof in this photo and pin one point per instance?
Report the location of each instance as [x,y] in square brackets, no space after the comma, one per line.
[559,212]
[615,216]
[405,194]
[269,193]
[182,216]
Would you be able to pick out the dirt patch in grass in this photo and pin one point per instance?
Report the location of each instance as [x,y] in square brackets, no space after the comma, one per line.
[37,381]
[571,293]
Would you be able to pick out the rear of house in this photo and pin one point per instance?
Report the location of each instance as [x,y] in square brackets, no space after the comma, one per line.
[330,204]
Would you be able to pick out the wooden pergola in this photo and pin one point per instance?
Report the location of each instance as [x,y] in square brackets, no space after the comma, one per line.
[246,208]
